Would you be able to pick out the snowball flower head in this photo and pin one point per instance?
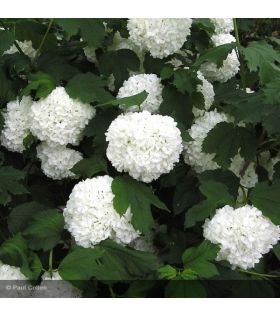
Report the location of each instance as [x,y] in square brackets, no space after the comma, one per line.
[230,66]
[161,37]
[58,119]
[59,288]
[16,125]
[10,273]
[57,161]
[222,26]
[90,216]
[144,145]
[207,90]
[193,154]
[243,234]
[25,46]
[138,83]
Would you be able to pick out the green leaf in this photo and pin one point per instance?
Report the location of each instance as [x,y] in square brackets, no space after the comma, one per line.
[118,63]
[178,106]
[186,80]
[199,259]
[21,215]
[188,274]
[225,139]
[276,250]
[260,57]
[98,126]
[216,193]
[136,99]
[15,252]
[267,199]
[167,272]
[186,194]
[11,183]
[199,213]
[88,167]
[57,67]
[92,30]
[88,88]
[272,92]
[40,82]
[44,230]
[136,195]
[80,264]
[215,55]
[107,261]
[183,289]
[121,263]
[6,40]
[228,178]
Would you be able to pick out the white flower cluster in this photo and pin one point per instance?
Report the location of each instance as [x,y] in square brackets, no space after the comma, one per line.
[144,145]
[250,177]
[135,84]
[243,234]
[58,119]
[16,124]
[25,46]
[161,37]
[10,273]
[143,244]
[52,286]
[57,161]
[193,154]
[222,26]
[90,215]
[230,66]
[90,54]
[207,90]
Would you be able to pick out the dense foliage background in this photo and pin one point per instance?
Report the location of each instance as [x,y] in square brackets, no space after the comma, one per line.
[32,234]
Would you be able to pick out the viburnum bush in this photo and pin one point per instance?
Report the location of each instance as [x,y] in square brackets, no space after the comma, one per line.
[140,157]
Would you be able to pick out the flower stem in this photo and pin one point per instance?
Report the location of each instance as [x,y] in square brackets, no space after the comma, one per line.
[43,41]
[264,276]
[242,70]
[51,262]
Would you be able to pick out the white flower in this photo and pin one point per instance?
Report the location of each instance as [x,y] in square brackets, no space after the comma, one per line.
[143,244]
[243,234]
[250,177]
[207,90]
[10,273]
[135,84]
[144,145]
[90,54]
[58,119]
[193,154]
[26,47]
[222,26]
[90,216]
[54,286]
[56,162]
[12,277]
[230,66]
[161,37]
[17,124]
